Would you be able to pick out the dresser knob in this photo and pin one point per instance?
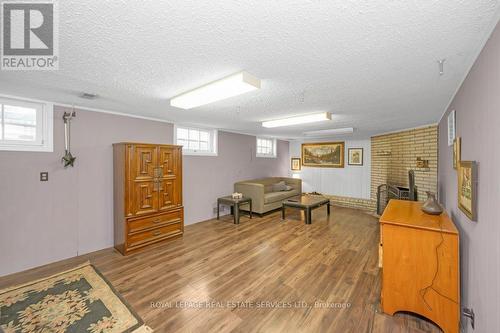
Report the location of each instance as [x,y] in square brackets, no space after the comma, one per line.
[156,233]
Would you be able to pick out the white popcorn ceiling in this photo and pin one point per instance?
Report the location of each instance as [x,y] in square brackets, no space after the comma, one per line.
[372,64]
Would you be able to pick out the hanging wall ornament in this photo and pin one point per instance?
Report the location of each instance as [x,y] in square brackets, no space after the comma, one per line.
[68,159]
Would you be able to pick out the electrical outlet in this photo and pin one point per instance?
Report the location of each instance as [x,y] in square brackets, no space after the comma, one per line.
[222,209]
[44,176]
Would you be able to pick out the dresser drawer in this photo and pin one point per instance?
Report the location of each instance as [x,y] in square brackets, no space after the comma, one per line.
[154,234]
[146,223]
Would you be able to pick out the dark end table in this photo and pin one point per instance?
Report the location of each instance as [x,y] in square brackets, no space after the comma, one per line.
[306,203]
[235,206]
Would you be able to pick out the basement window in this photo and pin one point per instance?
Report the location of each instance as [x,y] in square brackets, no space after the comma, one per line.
[26,125]
[266,147]
[196,141]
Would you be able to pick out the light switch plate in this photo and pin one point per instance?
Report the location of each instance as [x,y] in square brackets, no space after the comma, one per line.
[44,176]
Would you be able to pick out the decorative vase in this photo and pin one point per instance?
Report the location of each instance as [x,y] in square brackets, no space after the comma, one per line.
[431,206]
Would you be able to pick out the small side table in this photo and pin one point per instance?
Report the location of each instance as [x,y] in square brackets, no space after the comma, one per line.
[235,206]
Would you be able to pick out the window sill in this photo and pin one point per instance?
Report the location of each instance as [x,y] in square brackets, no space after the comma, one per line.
[198,153]
[27,148]
[266,156]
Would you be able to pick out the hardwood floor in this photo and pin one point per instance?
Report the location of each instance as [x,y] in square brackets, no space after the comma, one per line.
[255,265]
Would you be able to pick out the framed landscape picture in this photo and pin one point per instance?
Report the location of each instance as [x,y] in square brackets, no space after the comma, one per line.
[467,187]
[355,156]
[323,154]
[456,152]
[295,164]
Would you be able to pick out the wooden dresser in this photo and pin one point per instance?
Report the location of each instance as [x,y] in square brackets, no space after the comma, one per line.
[420,264]
[147,194]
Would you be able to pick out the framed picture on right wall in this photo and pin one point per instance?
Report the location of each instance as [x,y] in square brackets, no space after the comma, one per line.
[467,188]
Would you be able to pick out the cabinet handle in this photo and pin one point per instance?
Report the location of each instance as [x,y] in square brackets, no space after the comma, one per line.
[157,221]
[157,172]
[156,233]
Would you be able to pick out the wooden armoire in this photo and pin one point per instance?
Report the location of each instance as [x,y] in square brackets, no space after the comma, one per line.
[147,194]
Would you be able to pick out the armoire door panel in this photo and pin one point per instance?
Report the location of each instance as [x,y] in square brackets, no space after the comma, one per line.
[168,196]
[145,161]
[167,160]
[145,198]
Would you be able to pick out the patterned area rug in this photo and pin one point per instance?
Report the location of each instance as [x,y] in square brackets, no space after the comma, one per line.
[77,300]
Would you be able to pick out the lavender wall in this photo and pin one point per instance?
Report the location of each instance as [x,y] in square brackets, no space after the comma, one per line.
[72,213]
[206,178]
[477,106]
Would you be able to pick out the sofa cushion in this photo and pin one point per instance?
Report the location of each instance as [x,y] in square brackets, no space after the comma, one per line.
[278,196]
[280,186]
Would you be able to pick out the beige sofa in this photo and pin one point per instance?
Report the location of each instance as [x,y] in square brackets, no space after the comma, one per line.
[261,192]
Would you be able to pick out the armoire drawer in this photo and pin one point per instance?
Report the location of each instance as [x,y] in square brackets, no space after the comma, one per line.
[146,223]
[154,234]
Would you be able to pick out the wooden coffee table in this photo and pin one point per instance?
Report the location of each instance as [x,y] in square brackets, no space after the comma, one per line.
[306,203]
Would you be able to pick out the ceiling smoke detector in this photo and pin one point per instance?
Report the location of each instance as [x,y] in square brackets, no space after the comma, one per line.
[88,95]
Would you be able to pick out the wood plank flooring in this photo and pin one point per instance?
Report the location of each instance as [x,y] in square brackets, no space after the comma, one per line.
[264,275]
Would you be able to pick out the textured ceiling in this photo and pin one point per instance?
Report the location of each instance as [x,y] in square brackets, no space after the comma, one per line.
[372,64]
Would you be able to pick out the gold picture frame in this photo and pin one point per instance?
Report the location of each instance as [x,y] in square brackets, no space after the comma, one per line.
[323,154]
[457,143]
[467,188]
[295,163]
[355,156]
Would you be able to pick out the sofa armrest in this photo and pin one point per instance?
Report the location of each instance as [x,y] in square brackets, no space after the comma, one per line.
[254,191]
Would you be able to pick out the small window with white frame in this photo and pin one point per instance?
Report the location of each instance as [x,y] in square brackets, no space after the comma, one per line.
[266,147]
[196,141]
[26,125]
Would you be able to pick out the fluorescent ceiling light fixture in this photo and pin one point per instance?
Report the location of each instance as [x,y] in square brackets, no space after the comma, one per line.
[229,86]
[333,131]
[310,118]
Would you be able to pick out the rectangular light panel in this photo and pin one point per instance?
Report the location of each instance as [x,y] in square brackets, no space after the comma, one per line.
[230,86]
[346,130]
[310,118]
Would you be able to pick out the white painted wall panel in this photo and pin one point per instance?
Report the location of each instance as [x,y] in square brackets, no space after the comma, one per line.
[350,181]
